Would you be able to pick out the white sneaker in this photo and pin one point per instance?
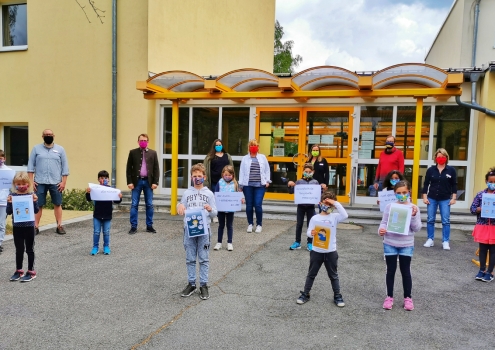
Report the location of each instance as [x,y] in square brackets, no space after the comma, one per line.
[249,229]
[218,246]
[446,245]
[429,243]
[258,229]
[230,247]
[215,220]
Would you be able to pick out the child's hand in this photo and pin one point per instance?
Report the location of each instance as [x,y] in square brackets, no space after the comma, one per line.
[243,201]
[120,195]
[329,201]
[377,202]
[35,197]
[9,199]
[181,209]
[291,184]
[382,231]
[478,210]
[313,232]
[207,207]
[88,190]
[414,210]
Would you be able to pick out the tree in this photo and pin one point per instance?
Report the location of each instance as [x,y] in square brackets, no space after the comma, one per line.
[99,13]
[283,60]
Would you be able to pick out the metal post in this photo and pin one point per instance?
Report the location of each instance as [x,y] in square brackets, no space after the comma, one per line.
[175,157]
[114,93]
[417,149]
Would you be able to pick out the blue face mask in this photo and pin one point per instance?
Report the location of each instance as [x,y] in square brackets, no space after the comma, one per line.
[394,182]
[402,197]
[218,148]
[198,180]
[324,207]
[105,182]
[308,175]
[490,186]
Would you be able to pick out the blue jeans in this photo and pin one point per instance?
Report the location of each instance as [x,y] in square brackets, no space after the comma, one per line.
[254,198]
[391,250]
[444,214]
[100,225]
[142,186]
[197,248]
[55,194]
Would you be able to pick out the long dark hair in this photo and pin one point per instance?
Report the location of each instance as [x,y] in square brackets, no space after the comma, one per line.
[386,181]
[212,152]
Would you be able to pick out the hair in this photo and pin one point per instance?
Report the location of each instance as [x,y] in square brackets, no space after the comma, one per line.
[211,153]
[328,195]
[443,152]
[2,153]
[43,132]
[402,183]
[22,176]
[490,172]
[310,158]
[386,182]
[390,136]
[309,166]
[103,173]
[198,167]
[230,169]
[144,135]
[253,142]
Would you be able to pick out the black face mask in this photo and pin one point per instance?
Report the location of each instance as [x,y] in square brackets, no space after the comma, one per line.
[48,139]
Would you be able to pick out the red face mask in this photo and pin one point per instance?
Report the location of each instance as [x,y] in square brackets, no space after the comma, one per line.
[253,149]
[441,160]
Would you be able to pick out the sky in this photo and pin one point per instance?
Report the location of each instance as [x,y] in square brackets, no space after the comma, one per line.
[361,35]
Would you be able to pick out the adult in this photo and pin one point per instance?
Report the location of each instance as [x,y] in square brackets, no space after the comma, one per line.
[254,178]
[321,172]
[439,191]
[391,159]
[143,174]
[48,170]
[214,162]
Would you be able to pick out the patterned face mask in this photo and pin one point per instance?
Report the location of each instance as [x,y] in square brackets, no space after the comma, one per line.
[198,180]
[490,186]
[308,175]
[227,178]
[394,182]
[402,197]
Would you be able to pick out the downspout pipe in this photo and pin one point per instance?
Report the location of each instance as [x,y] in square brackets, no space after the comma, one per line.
[114,93]
[475,32]
[474,104]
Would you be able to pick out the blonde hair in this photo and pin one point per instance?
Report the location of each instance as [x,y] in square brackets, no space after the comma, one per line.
[443,152]
[231,171]
[198,167]
[23,177]
[253,142]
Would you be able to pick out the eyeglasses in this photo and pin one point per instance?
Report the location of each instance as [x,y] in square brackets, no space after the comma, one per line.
[48,135]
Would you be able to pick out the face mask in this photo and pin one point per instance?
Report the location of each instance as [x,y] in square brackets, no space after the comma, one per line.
[227,178]
[308,175]
[198,180]
[105,182]
[143,144]
[491,186]
[218,148]
[394,182]
[389,145]
[22,188]
[1,162]
[48,139]
[441,160]
[402,197]
[315,153]
[253,149]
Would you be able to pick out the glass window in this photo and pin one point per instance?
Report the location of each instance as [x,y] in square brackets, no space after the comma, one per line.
[235,130]
[365,179]
[279,177]
[374,127]
[183,177]
[408,170]
[183,130]
[14,25]
[330,130]
[16,145]
[405,130]
[205,129]
[279,133]
[337,181]
[452,130]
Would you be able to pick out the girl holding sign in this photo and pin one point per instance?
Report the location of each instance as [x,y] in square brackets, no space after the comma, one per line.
[23,224]
[484,231]
[399,244]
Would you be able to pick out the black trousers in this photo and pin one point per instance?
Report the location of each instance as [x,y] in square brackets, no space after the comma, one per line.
[24,241]
[484,248]
[222,218]
[307,211]
[315,261]
[405,270]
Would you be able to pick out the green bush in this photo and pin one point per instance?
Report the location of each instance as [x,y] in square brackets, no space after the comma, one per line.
[72,200]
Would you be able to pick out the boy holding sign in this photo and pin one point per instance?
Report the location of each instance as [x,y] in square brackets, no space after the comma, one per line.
[323,229]
[6,176]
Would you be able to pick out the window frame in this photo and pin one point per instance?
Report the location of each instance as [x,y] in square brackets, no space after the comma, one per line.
[15,47]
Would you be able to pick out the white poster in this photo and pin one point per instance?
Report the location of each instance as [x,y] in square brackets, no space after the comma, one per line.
[23,208]
[488,205]
[228,201]
[367,145]
[103,193]
[6,177]
[313,139]
[327,139]
[307,194]
[386,197]
[364,154]
[368,135]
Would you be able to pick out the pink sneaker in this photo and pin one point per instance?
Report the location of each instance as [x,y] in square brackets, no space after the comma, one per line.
[408,304]
[388,303]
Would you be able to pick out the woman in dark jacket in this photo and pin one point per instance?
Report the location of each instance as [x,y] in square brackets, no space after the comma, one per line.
[214,162]
[321,173]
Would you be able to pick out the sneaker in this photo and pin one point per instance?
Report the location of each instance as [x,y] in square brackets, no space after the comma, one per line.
[309,247]
[1,249]
[258,229]
[488,277]
[36,231]
[60,230]
[217,246]
[150,229]
[230,247]
[388,303]
[106,250]
[133,230]
[295,246]
[480,275]
[203,293]
[446,246]
[338,300]
[215,220]
[249,229]
[429,243]
[188,290]
[94,251]
[17,275]
[304,298]
[408,304]
[29,276]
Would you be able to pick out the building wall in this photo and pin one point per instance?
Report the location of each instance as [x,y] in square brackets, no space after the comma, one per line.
[485,51]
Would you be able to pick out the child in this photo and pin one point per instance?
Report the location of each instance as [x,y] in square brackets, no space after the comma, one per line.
[319,256]
[226,184]
[402,245]
[23,231]
[4,193]
[303,210]
[484,231]
[102,216]
[197,248]
[391,180]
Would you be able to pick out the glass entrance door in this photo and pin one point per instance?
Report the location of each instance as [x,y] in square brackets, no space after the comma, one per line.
[286,136]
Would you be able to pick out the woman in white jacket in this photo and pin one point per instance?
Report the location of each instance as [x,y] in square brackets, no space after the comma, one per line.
[254,178]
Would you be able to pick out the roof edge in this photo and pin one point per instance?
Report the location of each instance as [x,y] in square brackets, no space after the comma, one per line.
[440,30]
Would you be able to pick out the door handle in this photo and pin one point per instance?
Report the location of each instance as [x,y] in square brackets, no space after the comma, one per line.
[295,155]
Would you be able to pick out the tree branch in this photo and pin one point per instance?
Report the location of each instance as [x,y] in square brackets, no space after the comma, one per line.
[82,8]
[99,12]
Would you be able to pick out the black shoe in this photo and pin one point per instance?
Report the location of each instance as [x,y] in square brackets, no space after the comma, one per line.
[60,230]
[132,231]
[1,249]
[150,229]
[36,231]
[188,290]
[304,298]
[338,300]
[203,292]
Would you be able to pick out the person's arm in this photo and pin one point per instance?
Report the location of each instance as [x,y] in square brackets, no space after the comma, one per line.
[378,169]
[32,166]
[230,160]
[156,170]
[36,207]
[88,195]
[128,171]
[206,163]
[426,186]
[342,213]
[311,227]
[401,162]
[453,184]
[476,204]
[267,170]
[382,229]
[213,212]
[242,173]
[9,210]
[217,187]
[326,172]
[416,221]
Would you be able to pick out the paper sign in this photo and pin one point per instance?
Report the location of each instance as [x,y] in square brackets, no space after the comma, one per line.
[228,201]
[103,193]
[23,208]
[307,194]
[368,135]
[6,177]
[313,139]
[324,232]
[386,197]
[367,144]
[327,139]
[399,219]
[364,154]
[278,132]
[196,222]
[278,150]
[488,205]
